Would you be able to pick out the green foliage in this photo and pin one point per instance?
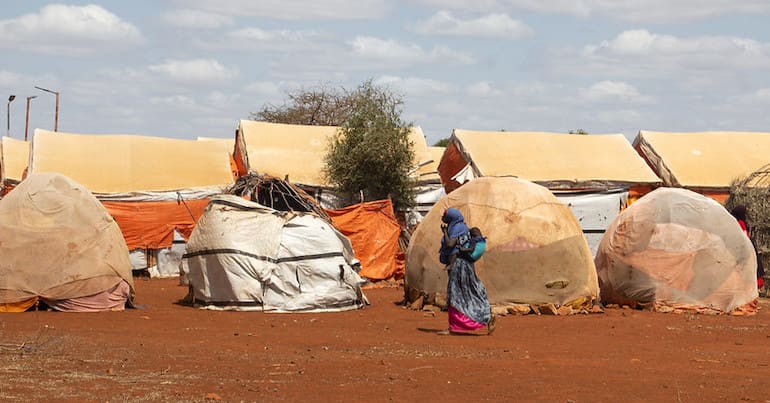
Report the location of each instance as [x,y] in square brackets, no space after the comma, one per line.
[578,131]
[442,143]
[372,152]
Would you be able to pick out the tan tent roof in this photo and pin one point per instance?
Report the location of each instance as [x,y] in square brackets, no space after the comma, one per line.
[130,163]
[227,144]
[704,159]
[15,157]
[296,150]
[548,158]
[429,172]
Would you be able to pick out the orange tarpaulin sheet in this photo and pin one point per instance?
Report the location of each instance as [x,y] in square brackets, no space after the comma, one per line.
[150,224]
[21,306]
[373,230]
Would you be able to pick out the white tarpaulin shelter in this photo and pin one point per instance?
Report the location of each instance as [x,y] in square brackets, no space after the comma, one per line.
[245,256]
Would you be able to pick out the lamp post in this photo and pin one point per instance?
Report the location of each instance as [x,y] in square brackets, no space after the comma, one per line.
[56,117]
[8,118]
[26,125]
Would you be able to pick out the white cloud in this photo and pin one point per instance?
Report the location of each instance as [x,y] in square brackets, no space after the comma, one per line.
[415,86]
[762,94]
[63,29]
[257,35]
[267,89]
[9,79]
[391,51]
[704,52]
[194,70]
[174,101]
[653,11]
[255,38]
[295,9]
[483,89]
[613,91]
[490,26]
[476,5]
[196,19]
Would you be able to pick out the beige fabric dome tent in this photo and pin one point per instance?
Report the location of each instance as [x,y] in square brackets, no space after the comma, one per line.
[58,243]
[675,249]
[536,252]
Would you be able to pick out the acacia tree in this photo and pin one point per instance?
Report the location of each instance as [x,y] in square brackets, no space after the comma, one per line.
[372,153]
[442,143]
[320,106]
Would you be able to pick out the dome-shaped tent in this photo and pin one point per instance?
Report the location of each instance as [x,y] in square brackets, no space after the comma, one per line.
[536,252]
[245,256]
[676,249]
[58,243]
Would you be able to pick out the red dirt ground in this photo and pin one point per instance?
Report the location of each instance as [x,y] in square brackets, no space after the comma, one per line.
[172,352]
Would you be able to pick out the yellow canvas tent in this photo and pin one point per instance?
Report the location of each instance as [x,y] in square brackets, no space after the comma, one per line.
[14,157]
[556,161]
[296,151]
[156,188]
[594,174]
[705,162]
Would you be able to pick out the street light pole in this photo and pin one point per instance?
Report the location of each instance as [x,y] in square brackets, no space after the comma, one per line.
[26,125]
[56,118]
[8,118]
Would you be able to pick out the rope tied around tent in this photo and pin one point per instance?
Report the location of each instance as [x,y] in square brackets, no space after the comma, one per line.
[180,200]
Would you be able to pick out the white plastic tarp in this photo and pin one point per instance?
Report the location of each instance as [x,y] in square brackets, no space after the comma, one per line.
[245,256]
[594,212]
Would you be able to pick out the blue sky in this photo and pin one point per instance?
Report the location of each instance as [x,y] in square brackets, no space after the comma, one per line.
[193,68]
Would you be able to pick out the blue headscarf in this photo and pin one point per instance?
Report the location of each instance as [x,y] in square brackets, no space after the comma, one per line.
[456,229]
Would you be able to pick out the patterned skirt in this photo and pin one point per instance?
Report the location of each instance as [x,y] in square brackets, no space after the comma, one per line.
[467,300]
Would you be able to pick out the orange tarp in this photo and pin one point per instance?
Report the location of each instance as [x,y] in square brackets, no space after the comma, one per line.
[373,230]
[151,224]
[21,306]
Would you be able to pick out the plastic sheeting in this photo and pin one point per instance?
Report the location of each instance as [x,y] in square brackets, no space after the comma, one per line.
[674,248]
[58,242]
[151,225]
[244,256]
[595,211]
[373,231]
[160,263]
[536,252]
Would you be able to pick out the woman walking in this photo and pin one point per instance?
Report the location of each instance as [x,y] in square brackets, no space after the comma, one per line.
[467,301]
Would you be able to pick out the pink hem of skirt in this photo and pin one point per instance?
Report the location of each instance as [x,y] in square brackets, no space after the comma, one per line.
[458,322]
